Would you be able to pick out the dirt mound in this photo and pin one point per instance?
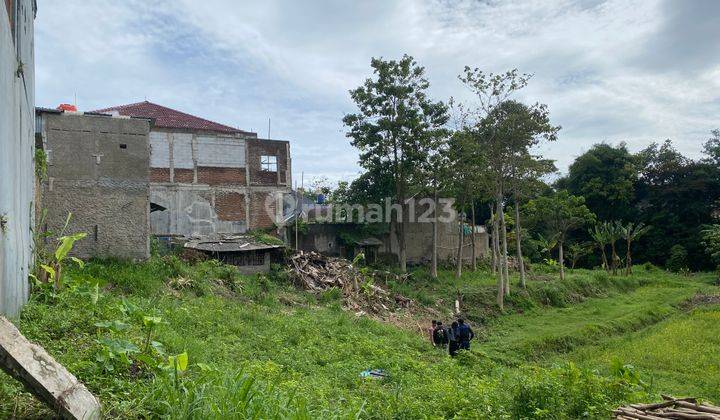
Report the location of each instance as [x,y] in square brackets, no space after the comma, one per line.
[360,287]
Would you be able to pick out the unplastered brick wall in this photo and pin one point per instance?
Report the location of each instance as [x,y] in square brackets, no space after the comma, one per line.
[262,210]
[221,176]
[230,206]
[278,148]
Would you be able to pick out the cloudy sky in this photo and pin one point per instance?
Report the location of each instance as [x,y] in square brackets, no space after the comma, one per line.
[610,71]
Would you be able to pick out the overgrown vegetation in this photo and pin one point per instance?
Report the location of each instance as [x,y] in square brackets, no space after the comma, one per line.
[169,339]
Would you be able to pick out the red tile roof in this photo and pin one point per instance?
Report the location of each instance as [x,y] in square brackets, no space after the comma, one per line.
[170,118]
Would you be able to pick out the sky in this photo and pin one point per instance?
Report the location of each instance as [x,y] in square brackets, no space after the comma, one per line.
[609,71]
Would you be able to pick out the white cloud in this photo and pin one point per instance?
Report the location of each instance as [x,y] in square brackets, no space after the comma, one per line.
[596,64]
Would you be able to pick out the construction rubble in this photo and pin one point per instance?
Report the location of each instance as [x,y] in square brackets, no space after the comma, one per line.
[671,408]
[361,289]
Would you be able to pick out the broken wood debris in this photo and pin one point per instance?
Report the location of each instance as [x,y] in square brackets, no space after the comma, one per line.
[361,294]
[670,408]
[43,376]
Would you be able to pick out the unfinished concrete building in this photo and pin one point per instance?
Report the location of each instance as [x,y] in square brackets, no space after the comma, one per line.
[208,178]
[17,109]
[98,170]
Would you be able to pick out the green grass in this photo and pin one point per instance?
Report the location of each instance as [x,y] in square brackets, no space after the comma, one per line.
[259,348]
[679,355]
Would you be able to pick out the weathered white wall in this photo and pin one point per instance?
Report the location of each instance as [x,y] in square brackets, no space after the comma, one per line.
[222,152]
[210,150]
[17,179]
[190,211]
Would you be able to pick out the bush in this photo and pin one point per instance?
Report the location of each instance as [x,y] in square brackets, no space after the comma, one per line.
[677,260]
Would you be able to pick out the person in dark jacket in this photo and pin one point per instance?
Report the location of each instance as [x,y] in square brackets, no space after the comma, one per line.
[453,343]
[465,334]
[440,338]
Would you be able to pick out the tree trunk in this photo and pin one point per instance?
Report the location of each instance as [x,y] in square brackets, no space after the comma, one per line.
[461,239]
[628,260]
[499,271]
[433,267]
[518,242]
[494,255]
[504,259]
[401,239]
[615,259]
[474,253]
[604,258]
[562,262]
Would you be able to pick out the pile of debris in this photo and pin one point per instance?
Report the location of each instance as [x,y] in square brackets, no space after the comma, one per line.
[671,408]
[361,292]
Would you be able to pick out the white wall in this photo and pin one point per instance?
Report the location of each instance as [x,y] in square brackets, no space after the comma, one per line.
[210,150]
[17,179]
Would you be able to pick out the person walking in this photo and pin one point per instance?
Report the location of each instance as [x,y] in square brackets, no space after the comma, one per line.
[465,334]
[453,342]
[431,332]
[440,336]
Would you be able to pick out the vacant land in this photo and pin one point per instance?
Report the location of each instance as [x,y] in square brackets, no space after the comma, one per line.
[257,347]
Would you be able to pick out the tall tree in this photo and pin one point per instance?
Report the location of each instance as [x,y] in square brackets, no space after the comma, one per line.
[560,214]
[677,196]
[395,128]
[606,176]
[490,91]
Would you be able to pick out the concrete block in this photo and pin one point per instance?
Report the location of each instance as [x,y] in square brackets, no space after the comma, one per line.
[43,376]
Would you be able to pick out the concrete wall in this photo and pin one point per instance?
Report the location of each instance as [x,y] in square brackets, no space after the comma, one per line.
[325,238]
[17,127]
[98,170]
[212,183]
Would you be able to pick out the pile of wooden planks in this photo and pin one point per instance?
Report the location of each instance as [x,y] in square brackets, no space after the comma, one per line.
[361,292]
[670,408]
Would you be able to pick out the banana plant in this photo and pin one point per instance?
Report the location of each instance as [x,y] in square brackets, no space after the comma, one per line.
[630,233]
[599,234]
[52,269]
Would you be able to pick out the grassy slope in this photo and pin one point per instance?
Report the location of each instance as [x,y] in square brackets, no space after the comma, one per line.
[306,352]
[679,355]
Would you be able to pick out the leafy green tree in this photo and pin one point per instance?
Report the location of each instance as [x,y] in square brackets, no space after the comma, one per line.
[395,128]
[630,233]
[678,259]
[606,177]
[711,241]
[711,148]
[677,196]
[560,214]
[487,121]
[577,250]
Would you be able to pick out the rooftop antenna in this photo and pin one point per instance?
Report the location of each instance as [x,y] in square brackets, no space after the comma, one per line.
[268,128]
[75,99]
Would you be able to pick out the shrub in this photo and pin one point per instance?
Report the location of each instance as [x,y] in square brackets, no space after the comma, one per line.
[678,259]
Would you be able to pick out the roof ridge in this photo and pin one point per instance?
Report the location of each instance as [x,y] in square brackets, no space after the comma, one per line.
[157,111]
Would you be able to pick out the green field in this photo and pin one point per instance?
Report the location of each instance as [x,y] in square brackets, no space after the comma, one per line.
[259,348]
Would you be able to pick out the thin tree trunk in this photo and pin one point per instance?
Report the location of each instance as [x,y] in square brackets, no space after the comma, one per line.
[461,239]
[615,259]
[496,245]
[628,260]
[433,267]
[503,238]
[474,253]
[518,242]
[604,258]
[494,254]
[562,262]
[401,239]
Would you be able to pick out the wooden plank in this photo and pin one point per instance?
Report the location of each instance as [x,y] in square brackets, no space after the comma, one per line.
[43,376]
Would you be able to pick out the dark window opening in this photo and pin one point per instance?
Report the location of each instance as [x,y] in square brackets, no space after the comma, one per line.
[123,146]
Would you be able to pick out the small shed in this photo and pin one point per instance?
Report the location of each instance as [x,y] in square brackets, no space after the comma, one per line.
[368,246]
[245,252]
